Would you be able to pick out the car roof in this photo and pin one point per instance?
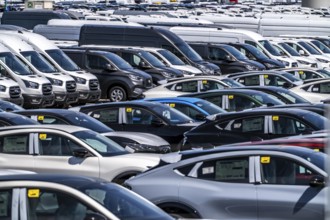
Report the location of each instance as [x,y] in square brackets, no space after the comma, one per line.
[54,111]
[173,99]
[65,128]
[224,91]
[257,72]
[118,104]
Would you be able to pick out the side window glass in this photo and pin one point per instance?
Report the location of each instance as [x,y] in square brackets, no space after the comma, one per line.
[217,100]
[138,116]
[251,125]
[107,115]
[185,109]
[239,103]
[136,61]
[191,86]
[210,85]
[250,80]
[5,204]
[285,125]
[217,54]
[232,170]
[45,204]
[15,144]
[324,87]
[96,62]
[56,145]
[50,120]
[282,171]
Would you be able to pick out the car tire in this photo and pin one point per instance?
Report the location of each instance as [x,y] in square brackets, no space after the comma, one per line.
[117,94]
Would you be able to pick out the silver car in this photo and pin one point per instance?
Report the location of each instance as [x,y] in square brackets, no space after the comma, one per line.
[68,149]
[244,182]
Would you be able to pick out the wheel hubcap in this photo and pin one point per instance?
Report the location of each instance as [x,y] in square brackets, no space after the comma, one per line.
[117,95]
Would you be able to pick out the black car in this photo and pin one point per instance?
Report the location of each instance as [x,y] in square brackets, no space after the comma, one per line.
[237,99]
[282,94]
[142,116]
[254,54]
[319,108]
[9,118]
[258,124]
[132,141]
[228,58]
[9,106]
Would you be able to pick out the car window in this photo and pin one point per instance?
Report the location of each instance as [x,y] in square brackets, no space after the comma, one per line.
[96,62]
[251,125]
[250,80]
[217,100]
[185,109]
[288,126]
[46,119]
[320,88]
[239,103]
[217,53]
[15,144]
[272,80]
[106,116]
[283,171]
[233,170]
[138,116]
[207,85]
[49,204]
[5,204]
[190,86]
[56,145]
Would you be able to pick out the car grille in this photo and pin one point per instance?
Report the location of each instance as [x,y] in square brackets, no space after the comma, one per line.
[71,86]
[93,84]
[47,89]
[294,64]
[148,83]
[14,91]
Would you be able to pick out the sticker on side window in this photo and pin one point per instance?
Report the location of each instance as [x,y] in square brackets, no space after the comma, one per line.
[265,160]
[42,136]
[316,149]
[265,76]
[33,193]
[172,105]
[275,118]
[207,170]
[204,81]
[231,97]
[41,117]
[301,72]
[128,109]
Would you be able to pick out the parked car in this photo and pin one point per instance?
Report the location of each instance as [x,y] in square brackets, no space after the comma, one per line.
[142,116]
[9,106]
[195,108]
[307,73]
[237,99]
[9,118]
[132,141]
[46,196]
[69,149]
[257,124]
[190,84]
[285,95]
[315,91]
[254,182]
[266,78]
[253,53]
[228,58]
[319,108]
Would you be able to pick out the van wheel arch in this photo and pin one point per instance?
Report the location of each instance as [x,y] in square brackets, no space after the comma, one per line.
[179,210]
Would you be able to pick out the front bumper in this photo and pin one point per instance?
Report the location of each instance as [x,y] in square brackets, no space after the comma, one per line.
[37,101]
[86,96]
[66,98]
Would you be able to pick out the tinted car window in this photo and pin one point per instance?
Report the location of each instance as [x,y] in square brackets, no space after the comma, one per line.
[138,116]
[251,125]
[5,204]
[15,144]
[185,109]
[107,115]
[286,125]
[96,62]
[190,86]
[207,85]
[239,103]
[250,80]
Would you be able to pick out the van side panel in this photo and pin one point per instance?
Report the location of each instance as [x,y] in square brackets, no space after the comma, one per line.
[97,34]
[69,33]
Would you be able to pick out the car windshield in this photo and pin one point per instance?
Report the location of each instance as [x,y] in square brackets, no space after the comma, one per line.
[63,60]
[268,46]
[289,49]
[309,48]
[151,59]
[257,53]
[291,77]
[209,107]
[174,60]
[118,61]
[232,83]
[39,62]
[87,121]
[123,203]
[321,46]
[172,115]
[15,64]
[236,53]
[100,143]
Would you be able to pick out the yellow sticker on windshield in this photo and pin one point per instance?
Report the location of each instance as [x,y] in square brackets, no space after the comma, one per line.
[275,118]
[204,81]
[231,97]
[301,72]
[41,117]
[42,136]
[172,105]
[265,160]
[265,76]
[33,193]
[128,109]
[316,149]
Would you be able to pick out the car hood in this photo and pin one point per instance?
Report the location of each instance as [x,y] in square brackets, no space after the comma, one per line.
[194,124]
[140,137]
[147,158]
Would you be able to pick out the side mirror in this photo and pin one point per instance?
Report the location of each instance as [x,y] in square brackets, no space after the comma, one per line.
[157,122]
[302,53]
[110,67]
[94,216]
[287,85]
[81,153]
[143,64]
[229,58]
[317,181]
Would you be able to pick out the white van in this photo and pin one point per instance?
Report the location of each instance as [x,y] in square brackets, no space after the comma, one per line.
[36,90]
[87,84]
[222,35]
[64,86]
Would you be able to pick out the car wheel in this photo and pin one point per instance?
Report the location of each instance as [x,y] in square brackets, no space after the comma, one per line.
[117,94]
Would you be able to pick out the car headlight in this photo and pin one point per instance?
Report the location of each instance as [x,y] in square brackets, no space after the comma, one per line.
[166,74]
[55,82]
[322,60]
[250,67]
[32,85]
[2,88]
[142,148]
[135,77]
[79,80]
[303,62]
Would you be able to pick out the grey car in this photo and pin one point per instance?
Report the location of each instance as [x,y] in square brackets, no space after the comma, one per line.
[243,182]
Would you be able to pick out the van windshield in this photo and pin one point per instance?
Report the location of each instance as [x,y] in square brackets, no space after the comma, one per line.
[63,60]
[39,62]
[309,48]
[174,60]
[321,46]
[151,59]
[118,61]
[238,55]
[15,64]
[289,49]
[268,46]
[255,52]
[189,52]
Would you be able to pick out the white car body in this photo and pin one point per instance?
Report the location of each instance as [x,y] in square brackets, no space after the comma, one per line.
[310,92]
